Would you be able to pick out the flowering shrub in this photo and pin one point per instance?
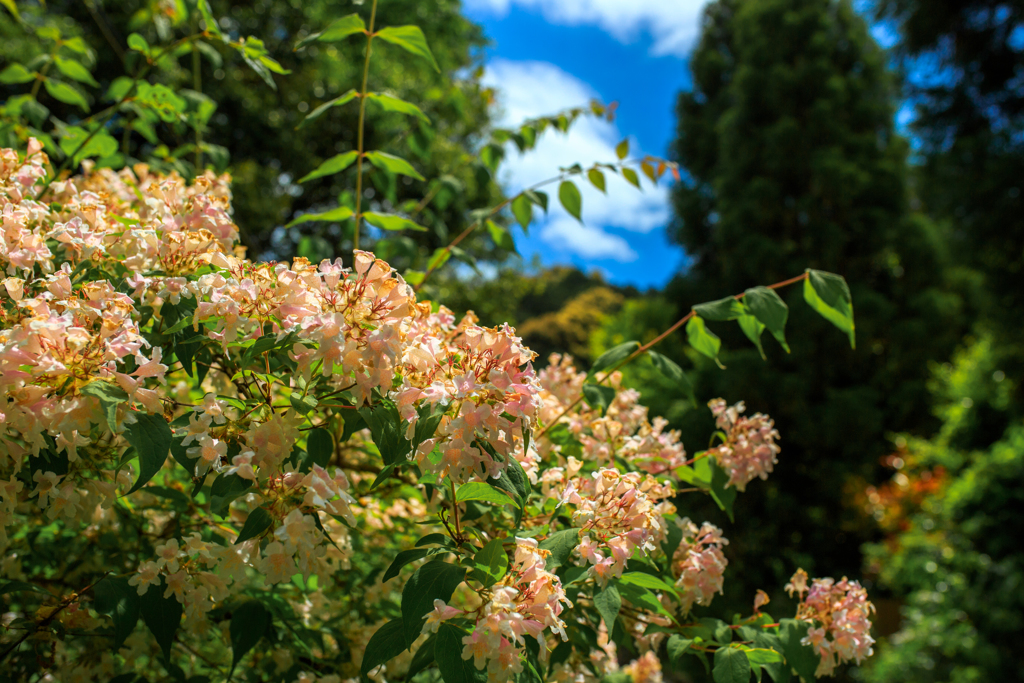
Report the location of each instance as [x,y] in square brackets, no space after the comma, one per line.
[358,483]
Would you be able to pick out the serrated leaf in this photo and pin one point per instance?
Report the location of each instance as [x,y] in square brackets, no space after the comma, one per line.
[75,71]
[828,294]
[410,39]
[703,339]
[561,544]
[391,103]
[608,603]
[150,435]
[448,654]
[478,490]
[119,601]
[337,214]
[731,666]
[389,221]
[249,623]
[436,580]
[392,164]
[752,328]
[613,357]
[110,397]
[569,196]
[320,446]
[670,369]
[65,93]
[335,164]
[522,209]
[723,309]
[258,521]
[385,644]
[490,563]
[338,101]
[500,236]
[677,647]
[598,396]
[162,616]
[769,308]
[16,73]
[596,178]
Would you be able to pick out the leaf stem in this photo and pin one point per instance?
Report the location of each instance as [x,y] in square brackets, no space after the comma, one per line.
[362,119]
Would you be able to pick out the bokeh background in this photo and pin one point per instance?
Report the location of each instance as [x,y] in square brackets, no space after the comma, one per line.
[882,140]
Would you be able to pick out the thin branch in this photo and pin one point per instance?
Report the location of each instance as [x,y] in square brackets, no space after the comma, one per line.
[362,119]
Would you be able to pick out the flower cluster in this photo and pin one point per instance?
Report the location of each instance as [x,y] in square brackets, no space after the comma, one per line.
[749,449]
[699,563]
[527,601]
[839,614]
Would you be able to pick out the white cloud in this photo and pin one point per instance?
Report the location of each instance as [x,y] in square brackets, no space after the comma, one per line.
[530,89]
[673,24]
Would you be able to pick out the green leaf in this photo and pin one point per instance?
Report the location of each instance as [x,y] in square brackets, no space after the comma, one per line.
[392,164]
[724,309]
[258,521]
[12,7]
[151,437]
[73,141]
[390,103]
[448,654]
[561,544]
[522,209]
[677,647]
[478,490]
[65,93]
[569,196]
[631,177]
[320,446]
[388,431]
[490,563]
[342,28]
[731,666]
[501,237]
[226,488]
[769,308]
[162,616]
[385,644]
[800,658]
[121,602]
[423,658]
[703,339]
[598,396]
[608,603]
[597,179]
[769,659]
[752,327]
[409,38]
[613,356]
[622,149]
[335,164]
[208,19]
[138,43]
[514,480]
[335,215]
[303,405]
[640,596]
[390,221]
[436,580]
[829,295]
[16,73]
[670,369]
[338,101]
[401,559]
[648,581]
[75,71]
[249,621]
[110,396]
[537,197]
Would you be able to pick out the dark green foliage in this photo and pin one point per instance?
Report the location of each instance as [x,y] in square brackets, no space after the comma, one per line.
[792,162]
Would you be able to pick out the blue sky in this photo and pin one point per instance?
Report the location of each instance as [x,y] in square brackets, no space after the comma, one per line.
[549,56]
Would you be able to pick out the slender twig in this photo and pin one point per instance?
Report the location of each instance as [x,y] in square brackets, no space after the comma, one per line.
[362,119]
[197,85]
[646,347]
